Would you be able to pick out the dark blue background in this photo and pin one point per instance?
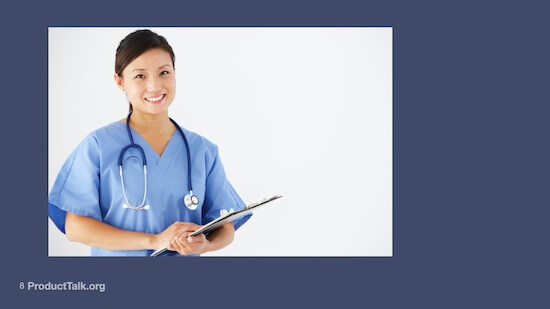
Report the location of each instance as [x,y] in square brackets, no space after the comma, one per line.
[471,172]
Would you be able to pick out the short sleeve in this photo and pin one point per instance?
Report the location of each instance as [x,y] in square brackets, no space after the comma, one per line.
[220,195]
[76,188]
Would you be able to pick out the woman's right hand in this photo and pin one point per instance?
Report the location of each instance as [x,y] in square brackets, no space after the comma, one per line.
[162,240]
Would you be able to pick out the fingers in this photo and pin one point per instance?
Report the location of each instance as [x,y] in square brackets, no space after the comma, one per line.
[180,244]
[178,239]
[179,247]
[196,239]
[186,245]
[179,228]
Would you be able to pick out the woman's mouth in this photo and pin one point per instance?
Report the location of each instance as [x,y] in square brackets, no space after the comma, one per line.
[155,100]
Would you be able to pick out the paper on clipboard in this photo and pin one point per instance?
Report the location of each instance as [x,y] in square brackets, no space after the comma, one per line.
[216,223]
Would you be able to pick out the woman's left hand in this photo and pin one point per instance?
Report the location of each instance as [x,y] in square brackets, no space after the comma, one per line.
[186,245]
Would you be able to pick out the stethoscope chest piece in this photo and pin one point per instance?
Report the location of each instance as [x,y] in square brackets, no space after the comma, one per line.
[191,201]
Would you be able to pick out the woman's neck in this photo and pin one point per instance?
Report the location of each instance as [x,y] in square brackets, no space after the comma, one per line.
[151,124]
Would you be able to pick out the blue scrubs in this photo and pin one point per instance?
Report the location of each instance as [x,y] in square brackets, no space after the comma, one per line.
[89,184]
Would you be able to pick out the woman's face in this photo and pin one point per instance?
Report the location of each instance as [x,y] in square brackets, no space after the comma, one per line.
[149,82]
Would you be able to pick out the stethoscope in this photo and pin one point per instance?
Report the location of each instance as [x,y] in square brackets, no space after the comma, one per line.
[190,200]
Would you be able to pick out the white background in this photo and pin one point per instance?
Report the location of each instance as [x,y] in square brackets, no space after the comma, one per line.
[302,112]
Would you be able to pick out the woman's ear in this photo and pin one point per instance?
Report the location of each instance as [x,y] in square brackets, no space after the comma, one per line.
[119,82]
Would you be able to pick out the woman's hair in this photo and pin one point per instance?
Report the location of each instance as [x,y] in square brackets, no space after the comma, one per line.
[135,44]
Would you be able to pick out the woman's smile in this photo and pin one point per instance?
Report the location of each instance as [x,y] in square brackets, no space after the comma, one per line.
[156,100]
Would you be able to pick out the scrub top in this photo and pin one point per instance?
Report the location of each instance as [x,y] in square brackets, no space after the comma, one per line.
[89,184]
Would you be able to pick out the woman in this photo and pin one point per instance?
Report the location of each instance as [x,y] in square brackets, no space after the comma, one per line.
[105,197]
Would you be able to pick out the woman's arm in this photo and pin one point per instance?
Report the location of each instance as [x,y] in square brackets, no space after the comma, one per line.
[94,233]
[97,234]
[101,235]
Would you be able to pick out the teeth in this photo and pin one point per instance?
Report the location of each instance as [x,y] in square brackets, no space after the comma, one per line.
[154,99]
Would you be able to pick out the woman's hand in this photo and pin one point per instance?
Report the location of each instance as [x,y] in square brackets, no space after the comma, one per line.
[186,245]
[176,238]
[174,232]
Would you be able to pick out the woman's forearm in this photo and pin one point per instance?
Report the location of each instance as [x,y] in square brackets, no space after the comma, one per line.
[101,235]
[94,233]
[220,238]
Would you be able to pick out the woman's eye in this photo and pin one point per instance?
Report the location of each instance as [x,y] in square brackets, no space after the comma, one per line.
[164,73]
[140,76]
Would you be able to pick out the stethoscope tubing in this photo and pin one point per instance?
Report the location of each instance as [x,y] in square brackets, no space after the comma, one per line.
[191,201]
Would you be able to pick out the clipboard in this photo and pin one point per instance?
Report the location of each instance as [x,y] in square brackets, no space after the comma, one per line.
[216,223]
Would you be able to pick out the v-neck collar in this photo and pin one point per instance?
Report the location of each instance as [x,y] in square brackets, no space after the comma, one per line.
[153,158]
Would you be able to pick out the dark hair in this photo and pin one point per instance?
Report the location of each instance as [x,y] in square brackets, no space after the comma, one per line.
[135,44]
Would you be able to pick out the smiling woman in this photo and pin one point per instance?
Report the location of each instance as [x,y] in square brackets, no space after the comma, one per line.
[149,82]
[147,207]
[148,63]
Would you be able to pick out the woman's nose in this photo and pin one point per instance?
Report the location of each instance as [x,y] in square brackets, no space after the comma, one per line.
[154,83]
